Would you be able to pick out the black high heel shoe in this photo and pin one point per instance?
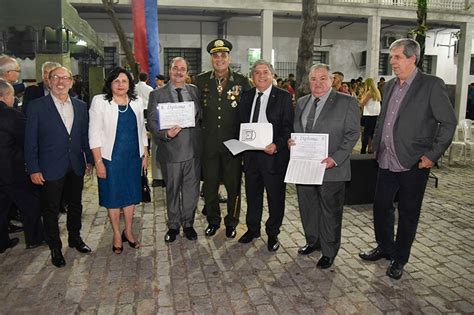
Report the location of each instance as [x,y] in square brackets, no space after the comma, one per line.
[117,250]
[132,245]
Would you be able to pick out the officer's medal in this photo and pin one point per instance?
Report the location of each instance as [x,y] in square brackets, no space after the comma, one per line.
[220,88]
[233,95]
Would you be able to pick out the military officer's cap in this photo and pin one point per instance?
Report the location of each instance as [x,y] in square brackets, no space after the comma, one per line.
[219,45]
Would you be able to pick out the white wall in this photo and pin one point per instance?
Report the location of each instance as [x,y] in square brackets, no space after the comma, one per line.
[244,33]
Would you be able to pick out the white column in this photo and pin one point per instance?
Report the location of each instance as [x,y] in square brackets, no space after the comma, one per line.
[267,34]
[373,47]
[462,77]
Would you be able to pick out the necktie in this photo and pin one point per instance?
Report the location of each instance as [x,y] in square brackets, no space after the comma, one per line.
[180,96]
[257,108]
[312,112]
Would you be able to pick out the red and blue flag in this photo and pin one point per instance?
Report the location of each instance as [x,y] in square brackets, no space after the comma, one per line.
[146,38]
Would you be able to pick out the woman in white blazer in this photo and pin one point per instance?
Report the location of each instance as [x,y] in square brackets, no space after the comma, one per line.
[118,140]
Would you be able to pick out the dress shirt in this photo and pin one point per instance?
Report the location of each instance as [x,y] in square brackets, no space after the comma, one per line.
[307,108]
[186,96]
[262,114]
[66,111]
[387,156]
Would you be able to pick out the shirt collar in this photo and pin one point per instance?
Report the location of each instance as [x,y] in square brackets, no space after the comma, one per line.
[266,92]
[175,87]
[410,79]
[57,101]
[322,99]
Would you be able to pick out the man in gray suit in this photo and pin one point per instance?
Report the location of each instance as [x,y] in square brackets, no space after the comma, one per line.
[336,114]
[178,152]
[416,125]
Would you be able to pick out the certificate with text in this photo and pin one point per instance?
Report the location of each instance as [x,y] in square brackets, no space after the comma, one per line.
[305,158]
[253,136]
[180,114]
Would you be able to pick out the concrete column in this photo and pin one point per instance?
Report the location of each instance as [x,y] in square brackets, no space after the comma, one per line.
[267,35]
[462,77]
[373,47]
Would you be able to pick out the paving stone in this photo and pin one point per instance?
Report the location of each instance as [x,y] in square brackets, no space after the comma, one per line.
[221,276]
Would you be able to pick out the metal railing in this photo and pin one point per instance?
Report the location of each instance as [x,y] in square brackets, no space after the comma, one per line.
[451,5]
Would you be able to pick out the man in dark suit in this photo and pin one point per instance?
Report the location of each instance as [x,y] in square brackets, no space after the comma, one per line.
[41,89]
[266,170]
[14,183]
[328,112]
[415,127]
[36,91]
[56,151]
[179,151]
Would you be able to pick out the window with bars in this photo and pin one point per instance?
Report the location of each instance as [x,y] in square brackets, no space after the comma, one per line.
[320,57]
[192,56]
[384,65]
[428,64]
[283,68]
[110,58]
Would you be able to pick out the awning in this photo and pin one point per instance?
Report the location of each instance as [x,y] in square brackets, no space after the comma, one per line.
[56,14]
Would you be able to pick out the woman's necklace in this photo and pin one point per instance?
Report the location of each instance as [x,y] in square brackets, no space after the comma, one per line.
[122,111]
[118,106]
[219,82]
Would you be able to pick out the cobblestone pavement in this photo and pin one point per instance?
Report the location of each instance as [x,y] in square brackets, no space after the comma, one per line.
[221,276]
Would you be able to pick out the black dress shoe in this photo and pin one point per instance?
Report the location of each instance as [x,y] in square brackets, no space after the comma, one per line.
[374,255]
[12,243]
[57,258]
[248,237]
[325,262]
[81,247]
[230,231]
[190,233]
[211,229]
[395,270]
[273,243]
[31,246]
[308,249]
[171,235]
[12,228]
[158,183]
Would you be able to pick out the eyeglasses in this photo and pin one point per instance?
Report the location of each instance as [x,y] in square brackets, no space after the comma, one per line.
[59,78]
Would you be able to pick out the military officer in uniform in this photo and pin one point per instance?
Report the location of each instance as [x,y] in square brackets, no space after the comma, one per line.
[221,89]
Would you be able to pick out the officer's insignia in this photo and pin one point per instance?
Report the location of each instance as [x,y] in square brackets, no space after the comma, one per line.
[234,93]
[218,43]
[233,104]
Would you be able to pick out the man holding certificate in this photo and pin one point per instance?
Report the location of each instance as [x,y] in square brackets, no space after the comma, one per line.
[266,169]
[174,116]
[325,111]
